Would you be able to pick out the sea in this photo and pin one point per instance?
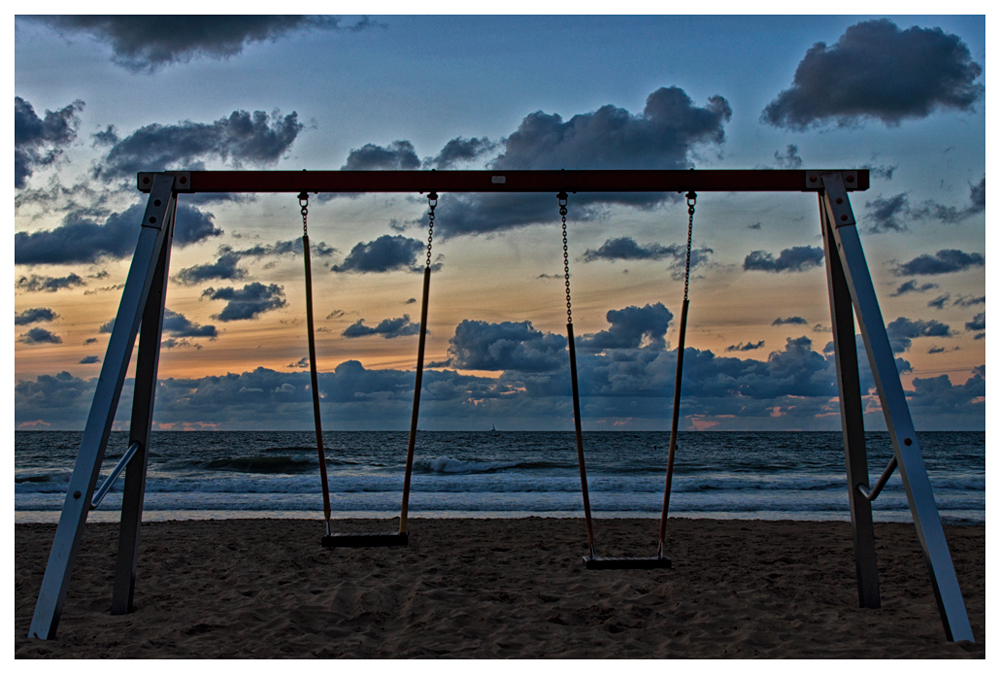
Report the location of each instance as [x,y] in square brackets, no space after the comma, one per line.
[498,474]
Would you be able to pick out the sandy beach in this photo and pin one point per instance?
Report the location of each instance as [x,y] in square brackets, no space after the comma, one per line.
[501,588]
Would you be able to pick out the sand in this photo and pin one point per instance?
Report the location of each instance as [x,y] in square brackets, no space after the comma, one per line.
[513,588]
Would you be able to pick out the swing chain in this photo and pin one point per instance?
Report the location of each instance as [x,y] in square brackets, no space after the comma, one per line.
[692,198]
[304,207]
[432,202]
[563,200]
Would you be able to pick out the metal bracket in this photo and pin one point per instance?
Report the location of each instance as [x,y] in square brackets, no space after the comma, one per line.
[182,180]
[836,193]
[814,180]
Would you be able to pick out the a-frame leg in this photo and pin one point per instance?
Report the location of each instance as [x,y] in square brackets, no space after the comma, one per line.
[140,426]
[66,543]
[851,420]
[924,511]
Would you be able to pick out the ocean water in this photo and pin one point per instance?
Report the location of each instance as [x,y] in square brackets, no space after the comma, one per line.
[779,475]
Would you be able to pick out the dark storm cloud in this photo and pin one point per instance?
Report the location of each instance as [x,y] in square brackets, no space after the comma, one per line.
[38,141]
[903,330]
[144,43]
[631,328]
[942,262]
[798,258]
[478,345]
[107,327]
[247,303]
[177,325]
[39,336]
[876,71]
[749,346]
[390,328]
[460,150]
[661,137]
[399,155]
[50,284]
[90,360]
[791,320]
[240,138]
[935,349]
[39,315]
[912,287]
[384,254]
[224,268]
[977,323]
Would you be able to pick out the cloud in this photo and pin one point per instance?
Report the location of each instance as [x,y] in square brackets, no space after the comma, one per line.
[876,71]
[247,303]
[80,239]
[389,328]
[400,155]
[912,287]
[939,301]
[301,363]
[38,141]
[39,315]
[884,215]
[178,325]
[40,336]
[977,323]
[240,138]
[791,158]
[460,150]
[90,360]
[631,328]
[663,136]
[798,258]
[965,301]
[903,330]
[107,327]
[945,261]
[791,320]
[384,254]
[625,248]
[224,268]
[893,214]
[291,247]
[50,284]
[478,345]
[147,43]
[749,346]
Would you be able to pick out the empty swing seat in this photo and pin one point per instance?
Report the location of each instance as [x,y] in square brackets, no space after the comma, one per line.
[392,540]
[627,562]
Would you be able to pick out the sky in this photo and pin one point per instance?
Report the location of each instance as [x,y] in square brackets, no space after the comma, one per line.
[97,99]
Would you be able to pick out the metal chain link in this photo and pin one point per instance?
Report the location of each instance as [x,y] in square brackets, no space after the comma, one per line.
[432,202]
[562,211]
[692,198]
[304,207]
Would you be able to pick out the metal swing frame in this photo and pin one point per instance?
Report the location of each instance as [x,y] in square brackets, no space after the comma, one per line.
[849,284]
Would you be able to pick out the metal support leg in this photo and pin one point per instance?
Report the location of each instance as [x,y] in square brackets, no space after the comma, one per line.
[844,233]
[139,428]
[851,420]
[66,543]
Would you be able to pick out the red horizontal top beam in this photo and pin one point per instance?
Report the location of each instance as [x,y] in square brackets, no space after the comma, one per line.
[759,180]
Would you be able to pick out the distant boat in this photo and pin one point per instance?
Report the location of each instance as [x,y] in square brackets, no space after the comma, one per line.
[494,429]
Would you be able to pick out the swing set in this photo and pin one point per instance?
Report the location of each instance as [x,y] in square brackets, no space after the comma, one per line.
[849,285]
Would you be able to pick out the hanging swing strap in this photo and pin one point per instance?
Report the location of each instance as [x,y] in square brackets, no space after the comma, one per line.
[571,340]
[313,379]
[432,203]
[691,200]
